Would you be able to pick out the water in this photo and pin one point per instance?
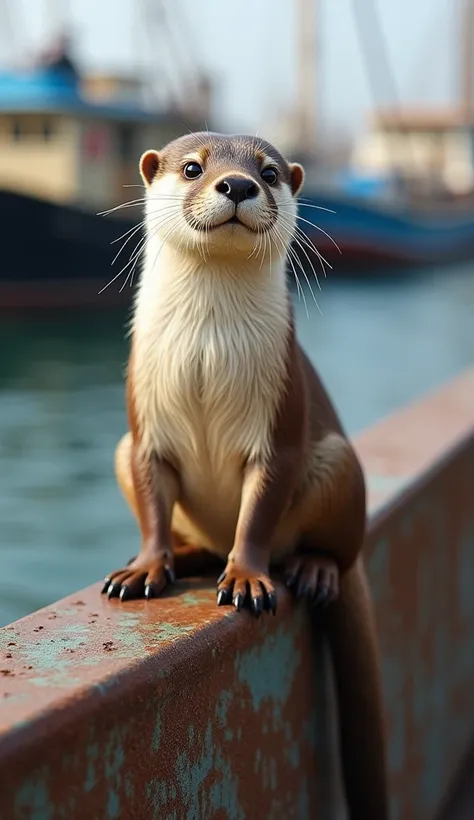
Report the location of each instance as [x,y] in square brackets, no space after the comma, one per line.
[63,521]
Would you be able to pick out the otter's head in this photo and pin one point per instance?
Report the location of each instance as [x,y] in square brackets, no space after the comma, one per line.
[217,195]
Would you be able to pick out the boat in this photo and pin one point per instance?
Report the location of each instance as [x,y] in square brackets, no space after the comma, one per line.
[56,255]
[71,145]
[382,235]
[405,195]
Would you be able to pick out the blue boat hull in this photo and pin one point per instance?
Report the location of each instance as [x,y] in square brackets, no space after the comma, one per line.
[367,232]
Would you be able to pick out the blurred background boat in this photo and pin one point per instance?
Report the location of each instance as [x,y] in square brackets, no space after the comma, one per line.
[70,143]
[400,194]
[404,194]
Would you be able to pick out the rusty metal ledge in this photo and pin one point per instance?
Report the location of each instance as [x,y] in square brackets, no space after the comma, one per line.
[174,709]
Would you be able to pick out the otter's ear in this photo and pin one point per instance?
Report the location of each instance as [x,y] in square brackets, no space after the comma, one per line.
[149,165]
[296,177]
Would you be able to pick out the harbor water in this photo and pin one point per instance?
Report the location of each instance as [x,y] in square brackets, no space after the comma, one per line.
[378,344]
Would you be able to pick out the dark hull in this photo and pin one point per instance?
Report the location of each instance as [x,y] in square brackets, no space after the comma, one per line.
[58,256]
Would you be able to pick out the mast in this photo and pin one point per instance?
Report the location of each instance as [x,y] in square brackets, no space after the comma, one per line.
[9,39]
[306,91]
[467,55]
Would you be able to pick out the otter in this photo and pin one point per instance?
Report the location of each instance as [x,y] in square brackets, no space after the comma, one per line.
[235,453]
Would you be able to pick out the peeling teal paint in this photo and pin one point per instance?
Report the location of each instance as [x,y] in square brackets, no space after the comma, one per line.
[224,795]
[302,803]
[197,597]
[424,680]
[33,798]
[292,754]
[156,737]
[129,787]
[222,706]
[113,806]
[191,772]
[92,754]
[268,670]
[54,659]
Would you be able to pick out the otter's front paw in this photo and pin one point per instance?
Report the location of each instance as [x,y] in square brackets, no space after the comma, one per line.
[244,588]
[141,578]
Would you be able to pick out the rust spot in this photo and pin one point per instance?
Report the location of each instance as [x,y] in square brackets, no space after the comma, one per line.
[11,643]
[7,673]
[203,713]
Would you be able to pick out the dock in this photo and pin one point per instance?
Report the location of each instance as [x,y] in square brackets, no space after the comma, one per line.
[175,708]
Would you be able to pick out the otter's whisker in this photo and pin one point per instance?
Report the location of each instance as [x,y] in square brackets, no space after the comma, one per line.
[307,204]
[312,247]
[135,203]
[132,204]
[301,240]
[313,225]
[292,253]
[298,285]
[300,245]
[137,252]
[308,242]
[135,231]
[139,225]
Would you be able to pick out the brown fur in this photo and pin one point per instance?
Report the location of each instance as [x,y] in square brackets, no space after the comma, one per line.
[302,505]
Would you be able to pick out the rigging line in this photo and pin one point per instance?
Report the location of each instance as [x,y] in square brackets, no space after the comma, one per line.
[435,25]
[9,30]
[153,30]
[466,35]
[372,39]
[371,30]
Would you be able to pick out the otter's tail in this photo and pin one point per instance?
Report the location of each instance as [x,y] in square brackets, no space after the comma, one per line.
[354,650]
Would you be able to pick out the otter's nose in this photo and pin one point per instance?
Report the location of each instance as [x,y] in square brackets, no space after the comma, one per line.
[237,188]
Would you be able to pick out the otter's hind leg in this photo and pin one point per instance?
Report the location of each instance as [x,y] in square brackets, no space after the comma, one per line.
[313,575]
[331,507]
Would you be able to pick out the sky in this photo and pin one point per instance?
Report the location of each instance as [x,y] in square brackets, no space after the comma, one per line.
[249,47]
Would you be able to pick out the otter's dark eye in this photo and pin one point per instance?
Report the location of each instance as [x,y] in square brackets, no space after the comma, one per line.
[269,175]
[192,170]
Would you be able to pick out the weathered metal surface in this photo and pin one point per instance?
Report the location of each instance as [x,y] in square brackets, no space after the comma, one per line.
[172,709]
[169,710]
